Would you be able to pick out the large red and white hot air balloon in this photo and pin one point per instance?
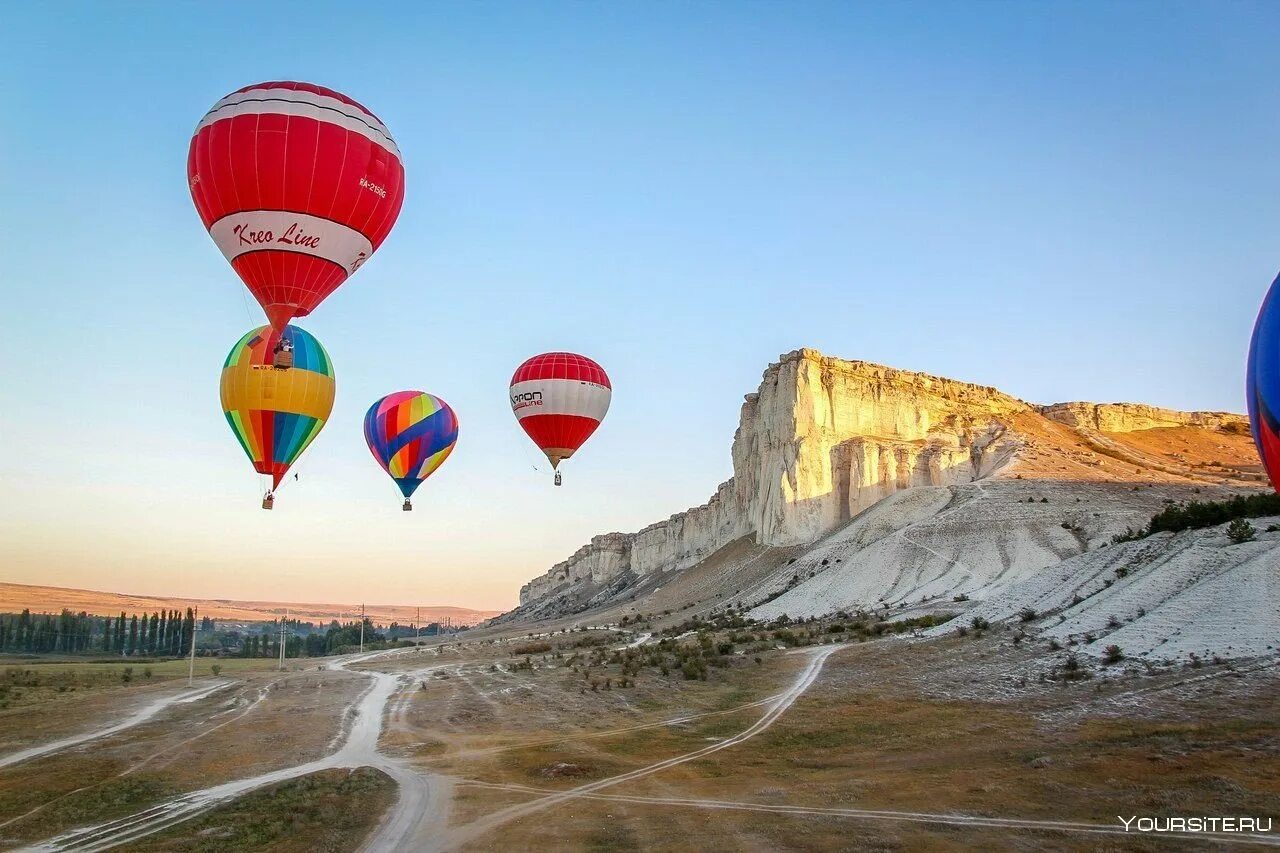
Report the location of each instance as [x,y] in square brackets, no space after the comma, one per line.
[298,185]
[560,398]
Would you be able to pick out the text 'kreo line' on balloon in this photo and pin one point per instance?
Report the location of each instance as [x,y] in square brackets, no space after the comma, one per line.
[298,185]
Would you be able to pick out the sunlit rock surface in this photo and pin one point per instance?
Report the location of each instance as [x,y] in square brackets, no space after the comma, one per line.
[824,439]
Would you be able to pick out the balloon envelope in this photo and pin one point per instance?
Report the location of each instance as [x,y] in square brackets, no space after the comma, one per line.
[298,185]
[410,433]
[1262,382]
[560,398]
[276,413]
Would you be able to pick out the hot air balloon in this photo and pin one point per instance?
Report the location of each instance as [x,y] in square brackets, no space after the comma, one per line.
[276,412]
[298,185]
[1262,383]
[410,433]
[560,398]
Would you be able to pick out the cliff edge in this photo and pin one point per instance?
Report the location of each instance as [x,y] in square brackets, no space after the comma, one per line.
[823,439]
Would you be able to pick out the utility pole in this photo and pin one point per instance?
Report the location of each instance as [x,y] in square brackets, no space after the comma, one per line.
[283,622]
[191,667]
[417,641]
[361,629]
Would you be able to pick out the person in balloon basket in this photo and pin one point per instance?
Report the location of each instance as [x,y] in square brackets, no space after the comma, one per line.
[283,353]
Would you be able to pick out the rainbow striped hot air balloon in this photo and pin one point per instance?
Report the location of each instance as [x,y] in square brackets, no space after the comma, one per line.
[410,433]
[276,412]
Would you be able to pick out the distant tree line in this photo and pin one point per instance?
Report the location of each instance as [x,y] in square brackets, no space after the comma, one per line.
[1198,514]
[302,639]
[167,633]
[160,634]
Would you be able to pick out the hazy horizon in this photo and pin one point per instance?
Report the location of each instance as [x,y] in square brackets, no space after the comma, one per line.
[1069,202]
[125,593]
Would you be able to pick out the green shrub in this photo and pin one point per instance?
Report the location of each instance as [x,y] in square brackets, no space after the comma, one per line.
[1198,514]
[692,670]
[1240,530]
[1129,535]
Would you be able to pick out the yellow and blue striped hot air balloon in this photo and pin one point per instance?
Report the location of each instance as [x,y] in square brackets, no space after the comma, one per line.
[276,412]
[410,433]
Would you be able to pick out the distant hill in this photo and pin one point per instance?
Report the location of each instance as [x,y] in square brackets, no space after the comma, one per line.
[15,597]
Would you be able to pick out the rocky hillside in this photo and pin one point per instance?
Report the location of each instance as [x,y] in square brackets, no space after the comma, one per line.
[859,485]
[1174,596]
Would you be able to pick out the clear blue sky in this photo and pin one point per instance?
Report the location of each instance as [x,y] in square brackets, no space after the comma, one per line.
[1065,200]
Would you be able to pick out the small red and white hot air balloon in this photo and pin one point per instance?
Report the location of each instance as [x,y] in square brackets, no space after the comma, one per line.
[298,185]
[560,398]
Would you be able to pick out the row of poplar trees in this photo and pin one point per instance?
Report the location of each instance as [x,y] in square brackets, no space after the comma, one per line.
[163,633]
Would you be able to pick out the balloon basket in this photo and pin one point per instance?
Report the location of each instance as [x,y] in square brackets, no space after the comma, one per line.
[408,507]
[269,501]
[557,478]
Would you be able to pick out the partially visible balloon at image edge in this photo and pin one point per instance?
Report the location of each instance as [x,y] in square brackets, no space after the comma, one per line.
[1262,383]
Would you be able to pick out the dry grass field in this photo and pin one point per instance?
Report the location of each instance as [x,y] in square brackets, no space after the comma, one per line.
[568,742]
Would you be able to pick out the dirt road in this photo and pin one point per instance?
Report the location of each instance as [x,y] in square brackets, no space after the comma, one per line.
[142,715]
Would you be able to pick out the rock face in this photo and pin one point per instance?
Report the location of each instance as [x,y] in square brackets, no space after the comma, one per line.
[823,439]
[1132,417]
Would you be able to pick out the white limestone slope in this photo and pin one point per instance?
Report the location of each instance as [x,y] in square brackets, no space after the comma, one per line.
[1166,596]
[930,545]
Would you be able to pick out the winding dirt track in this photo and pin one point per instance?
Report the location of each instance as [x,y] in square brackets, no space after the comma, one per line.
[137,718]
[959,820]
[419,818]
[420,803]
[817,657]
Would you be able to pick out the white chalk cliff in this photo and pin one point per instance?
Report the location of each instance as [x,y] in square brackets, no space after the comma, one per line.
[823,439]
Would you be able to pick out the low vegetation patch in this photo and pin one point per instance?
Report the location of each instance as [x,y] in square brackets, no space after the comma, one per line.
[1196,515]
[55,794]
[333,810]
